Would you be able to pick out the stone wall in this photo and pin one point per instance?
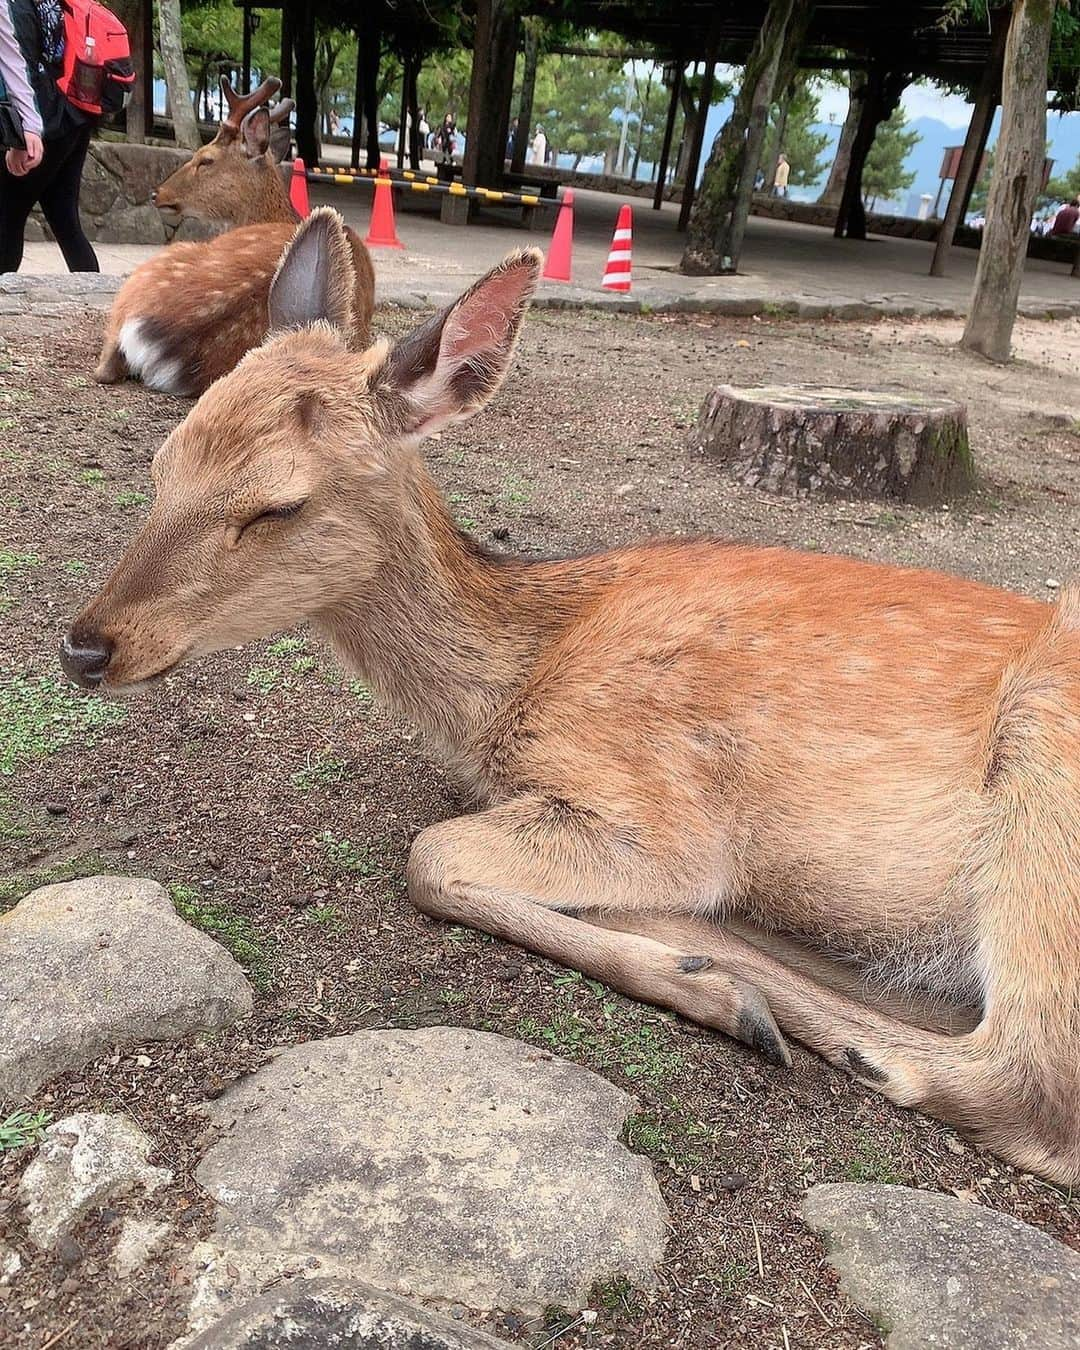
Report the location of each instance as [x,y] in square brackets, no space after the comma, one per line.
[115,199]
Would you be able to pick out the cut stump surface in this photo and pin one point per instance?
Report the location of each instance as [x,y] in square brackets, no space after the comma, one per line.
[805,440]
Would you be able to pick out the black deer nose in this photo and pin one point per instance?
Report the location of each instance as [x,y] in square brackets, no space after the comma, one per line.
[85,658]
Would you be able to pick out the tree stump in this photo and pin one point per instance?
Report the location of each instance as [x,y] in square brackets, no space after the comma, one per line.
[804,441]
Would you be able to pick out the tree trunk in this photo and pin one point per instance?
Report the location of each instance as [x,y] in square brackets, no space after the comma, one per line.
[368,78]
[307,107]
[1018,168]
[137,16]
[358,104]
[834,187]
[693,158]
[883,90]
[528,94]
[689,129]
[490,91]
[403,118]
[968,169]
[715,232]
[798,441]
[185,127]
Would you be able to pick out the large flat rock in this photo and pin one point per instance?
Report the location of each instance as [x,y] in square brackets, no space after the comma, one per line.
[455,1165]
[338,1315]
[934,1271]
[102,962]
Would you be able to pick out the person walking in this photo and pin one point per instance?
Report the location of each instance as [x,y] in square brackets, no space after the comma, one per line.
[1066,218]
[780,180]
[445,144]
[47,167]
[538,152]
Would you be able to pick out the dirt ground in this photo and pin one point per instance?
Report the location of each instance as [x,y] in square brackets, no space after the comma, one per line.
[278,803]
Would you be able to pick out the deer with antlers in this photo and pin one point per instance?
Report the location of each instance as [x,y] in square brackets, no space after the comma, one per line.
[766,789]
[187,316]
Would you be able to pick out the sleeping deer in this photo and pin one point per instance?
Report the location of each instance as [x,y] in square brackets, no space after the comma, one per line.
[187,315]
[763,788]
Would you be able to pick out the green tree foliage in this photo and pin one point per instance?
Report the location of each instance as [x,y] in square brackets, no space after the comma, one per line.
[884,175]
[575,99]
[803,146]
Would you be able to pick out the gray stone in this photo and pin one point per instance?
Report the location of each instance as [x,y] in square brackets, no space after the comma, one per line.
[84,1160]
[101,962]
[136,224]
[936,1271]
[338,1314]
[10,1264]
[137,1241]
[456,1165]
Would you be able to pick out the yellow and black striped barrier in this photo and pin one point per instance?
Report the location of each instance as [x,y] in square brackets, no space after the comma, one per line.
[425,183]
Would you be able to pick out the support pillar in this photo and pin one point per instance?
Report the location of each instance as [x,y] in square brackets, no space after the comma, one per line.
[669,132]
[139,117]
[528,93]
[245,50]
[490,92]
[307,107]
[288,40]
[704,103]
[967,171]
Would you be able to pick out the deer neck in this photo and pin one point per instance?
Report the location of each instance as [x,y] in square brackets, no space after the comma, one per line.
[444,633]
[268,206]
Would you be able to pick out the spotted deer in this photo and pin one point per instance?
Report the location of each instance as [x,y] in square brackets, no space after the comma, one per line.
[762,788]
[188,314]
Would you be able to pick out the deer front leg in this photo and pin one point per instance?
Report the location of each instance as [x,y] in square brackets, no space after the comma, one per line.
[521,871]
[111,365]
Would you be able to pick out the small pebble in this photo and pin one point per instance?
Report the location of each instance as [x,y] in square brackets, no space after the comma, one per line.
[56,808]
[105,796]
[733,1181]
[457,1312]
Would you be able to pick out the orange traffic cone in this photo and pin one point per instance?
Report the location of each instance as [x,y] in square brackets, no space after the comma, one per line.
[617,271]
[557,263]
[298,195]
[382,232]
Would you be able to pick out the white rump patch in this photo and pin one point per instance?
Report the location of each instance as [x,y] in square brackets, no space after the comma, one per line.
[149,360]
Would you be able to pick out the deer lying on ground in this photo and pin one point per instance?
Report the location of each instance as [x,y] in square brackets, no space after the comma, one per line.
[702,768]
[186,316]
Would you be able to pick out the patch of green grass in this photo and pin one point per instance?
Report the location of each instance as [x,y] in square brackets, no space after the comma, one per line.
[323,771]
[874,1161]
[304,665]
[7,424]
[265,678]
[40,714]
[15,564]
[675,1137]
[617,1297]
[348,856]
[607,1032]
[359,691]
[327,916]
[729,1277]
[75,567]
[286,646]
[22,1128]
[15,886]
[453,997]
[234,931]
[515,492]
[93,477]
[129,498]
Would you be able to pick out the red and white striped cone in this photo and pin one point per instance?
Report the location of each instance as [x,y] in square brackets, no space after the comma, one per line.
[617,271]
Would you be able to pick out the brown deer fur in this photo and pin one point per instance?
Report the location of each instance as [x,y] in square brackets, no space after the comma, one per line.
[878,764]
[187,315]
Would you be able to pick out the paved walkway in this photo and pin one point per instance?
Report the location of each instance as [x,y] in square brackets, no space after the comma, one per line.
[786,266]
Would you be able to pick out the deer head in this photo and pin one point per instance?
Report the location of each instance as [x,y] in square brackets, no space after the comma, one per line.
[235,178]
[286,490]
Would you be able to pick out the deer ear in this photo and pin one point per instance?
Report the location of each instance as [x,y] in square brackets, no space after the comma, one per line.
[255,133]
[315,280]
[450,366]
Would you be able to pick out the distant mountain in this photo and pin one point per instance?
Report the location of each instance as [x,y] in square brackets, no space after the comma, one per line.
[1062,130]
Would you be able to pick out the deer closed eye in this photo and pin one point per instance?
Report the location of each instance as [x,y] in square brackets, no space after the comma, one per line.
[271,515]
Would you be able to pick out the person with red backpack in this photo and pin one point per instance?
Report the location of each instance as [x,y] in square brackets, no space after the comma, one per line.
[63,66]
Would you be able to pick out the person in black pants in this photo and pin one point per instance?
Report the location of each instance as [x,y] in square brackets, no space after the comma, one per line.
[48,169]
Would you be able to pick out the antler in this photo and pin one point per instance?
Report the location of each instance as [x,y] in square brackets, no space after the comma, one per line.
[280,112]
[241,104]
